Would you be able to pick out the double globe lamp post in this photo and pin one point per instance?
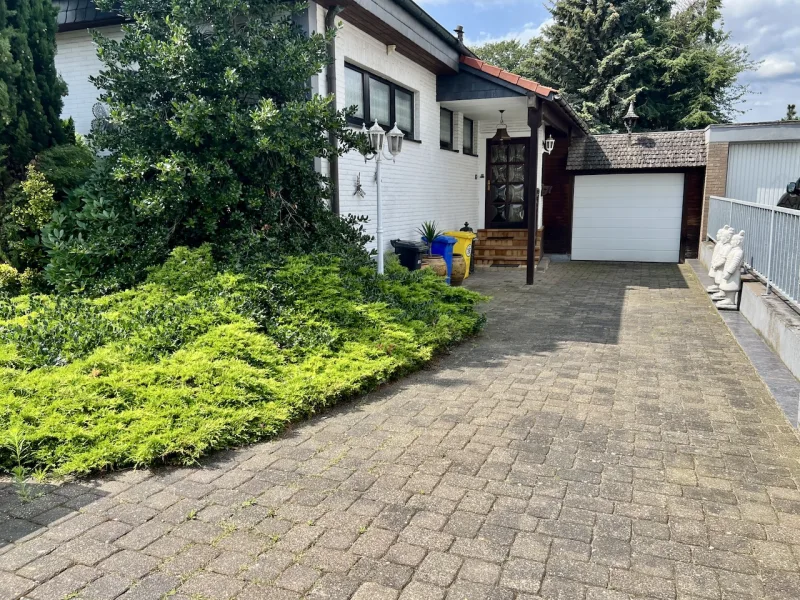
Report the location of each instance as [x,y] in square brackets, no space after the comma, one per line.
[377,139]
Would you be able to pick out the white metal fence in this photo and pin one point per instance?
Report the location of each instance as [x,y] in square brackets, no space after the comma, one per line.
[771,241]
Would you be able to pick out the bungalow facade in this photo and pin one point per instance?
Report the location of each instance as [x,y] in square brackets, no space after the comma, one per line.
[398,65]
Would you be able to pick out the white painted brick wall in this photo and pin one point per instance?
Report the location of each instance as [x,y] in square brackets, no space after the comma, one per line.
[76,60]
[426,183]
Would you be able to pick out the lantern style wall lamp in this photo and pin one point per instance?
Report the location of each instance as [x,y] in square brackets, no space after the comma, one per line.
[548,144]
[377,139]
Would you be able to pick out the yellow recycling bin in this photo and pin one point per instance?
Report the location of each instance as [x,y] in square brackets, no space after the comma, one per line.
[463,245]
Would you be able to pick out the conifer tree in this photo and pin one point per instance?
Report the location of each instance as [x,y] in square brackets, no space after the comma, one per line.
[673,59]
[30,89]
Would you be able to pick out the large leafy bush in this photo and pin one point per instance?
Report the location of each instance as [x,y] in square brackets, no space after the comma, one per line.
[195,359]
[30,204]
[212,137]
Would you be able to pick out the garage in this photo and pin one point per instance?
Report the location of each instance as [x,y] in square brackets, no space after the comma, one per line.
[636,198]
[630,217]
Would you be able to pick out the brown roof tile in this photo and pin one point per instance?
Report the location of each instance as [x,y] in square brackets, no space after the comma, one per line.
[508,76]
[656,150]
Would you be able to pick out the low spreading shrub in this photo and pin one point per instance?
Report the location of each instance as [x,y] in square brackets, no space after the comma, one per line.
[198,358]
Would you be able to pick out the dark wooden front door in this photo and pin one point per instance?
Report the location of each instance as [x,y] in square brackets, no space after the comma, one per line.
[506,183]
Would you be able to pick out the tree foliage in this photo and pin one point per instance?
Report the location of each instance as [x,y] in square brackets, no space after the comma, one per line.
[791,113]
[675,62]
[211,138]
[30,89]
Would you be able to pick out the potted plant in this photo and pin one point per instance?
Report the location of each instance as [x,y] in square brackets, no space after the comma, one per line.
[434,262]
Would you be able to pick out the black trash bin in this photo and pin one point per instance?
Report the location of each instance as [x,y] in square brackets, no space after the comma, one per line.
[410,253]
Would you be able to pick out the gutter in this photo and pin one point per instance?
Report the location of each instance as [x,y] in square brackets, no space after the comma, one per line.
[570,111]
[330,84]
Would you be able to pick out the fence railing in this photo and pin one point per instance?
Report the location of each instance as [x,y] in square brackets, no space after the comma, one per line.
[771,241]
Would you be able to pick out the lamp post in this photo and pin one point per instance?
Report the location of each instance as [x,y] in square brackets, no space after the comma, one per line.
[630,120]
[377,137]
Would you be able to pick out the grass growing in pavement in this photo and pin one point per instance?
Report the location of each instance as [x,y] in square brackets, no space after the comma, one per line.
[195,359]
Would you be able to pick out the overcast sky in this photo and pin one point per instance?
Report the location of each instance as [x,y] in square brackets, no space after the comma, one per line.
[766,27]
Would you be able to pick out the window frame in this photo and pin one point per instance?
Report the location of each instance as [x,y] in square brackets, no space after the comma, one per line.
[471,150]
[442,144]
[393,87]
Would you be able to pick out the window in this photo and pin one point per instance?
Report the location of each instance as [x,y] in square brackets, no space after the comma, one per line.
[469,141]
[446,129]
[379,99]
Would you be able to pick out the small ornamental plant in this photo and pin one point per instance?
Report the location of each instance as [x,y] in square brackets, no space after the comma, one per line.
[429,232]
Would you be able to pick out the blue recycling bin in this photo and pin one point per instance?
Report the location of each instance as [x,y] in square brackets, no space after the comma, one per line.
[443,246]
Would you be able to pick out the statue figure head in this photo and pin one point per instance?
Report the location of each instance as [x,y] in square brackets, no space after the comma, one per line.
[738,239]
[725,236]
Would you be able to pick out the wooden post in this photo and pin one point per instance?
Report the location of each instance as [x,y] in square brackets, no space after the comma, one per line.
[534,152]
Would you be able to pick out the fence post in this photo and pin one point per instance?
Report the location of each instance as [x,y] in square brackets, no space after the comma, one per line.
[768,274]
[730,213]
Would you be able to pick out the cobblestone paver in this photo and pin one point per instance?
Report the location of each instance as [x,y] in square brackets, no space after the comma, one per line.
[604,439]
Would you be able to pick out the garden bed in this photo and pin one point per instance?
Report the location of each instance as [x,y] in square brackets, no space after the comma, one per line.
[195,360]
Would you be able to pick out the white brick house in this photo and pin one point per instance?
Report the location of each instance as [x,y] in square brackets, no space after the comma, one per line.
[403,66]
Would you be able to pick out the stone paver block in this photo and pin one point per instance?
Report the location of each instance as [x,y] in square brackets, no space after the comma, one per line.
[422,591]
[13,586]
[374,591]
[211,585]
[66,583]
[438,569]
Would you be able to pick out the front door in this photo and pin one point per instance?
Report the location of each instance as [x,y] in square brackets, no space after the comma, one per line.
[506,183]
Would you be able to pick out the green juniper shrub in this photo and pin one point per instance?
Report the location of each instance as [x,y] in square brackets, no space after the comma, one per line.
[198,358]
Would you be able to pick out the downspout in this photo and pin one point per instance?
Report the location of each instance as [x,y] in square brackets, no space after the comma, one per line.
[330,84]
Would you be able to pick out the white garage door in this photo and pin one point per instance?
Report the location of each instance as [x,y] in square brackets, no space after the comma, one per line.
[627,217]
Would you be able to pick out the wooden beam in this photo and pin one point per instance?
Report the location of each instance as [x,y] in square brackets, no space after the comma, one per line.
[555,118]
[534,121]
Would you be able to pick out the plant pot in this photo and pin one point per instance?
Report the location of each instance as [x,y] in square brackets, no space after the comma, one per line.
[459,271]
[435,263]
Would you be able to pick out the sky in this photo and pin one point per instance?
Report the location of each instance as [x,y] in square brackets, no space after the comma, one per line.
[768,28]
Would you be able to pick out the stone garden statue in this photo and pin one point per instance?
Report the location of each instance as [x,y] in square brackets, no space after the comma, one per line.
[715,253]
[731,278]
[721,249]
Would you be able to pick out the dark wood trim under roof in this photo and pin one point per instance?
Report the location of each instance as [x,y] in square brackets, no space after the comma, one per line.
[388,22]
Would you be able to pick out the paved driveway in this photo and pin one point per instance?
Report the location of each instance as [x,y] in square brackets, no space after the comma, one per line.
[603,439]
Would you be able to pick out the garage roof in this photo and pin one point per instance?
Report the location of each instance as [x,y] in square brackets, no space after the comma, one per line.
[655,150]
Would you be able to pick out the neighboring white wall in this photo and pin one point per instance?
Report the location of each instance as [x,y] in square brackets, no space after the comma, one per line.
[76,60]
[426,183]
[759,172]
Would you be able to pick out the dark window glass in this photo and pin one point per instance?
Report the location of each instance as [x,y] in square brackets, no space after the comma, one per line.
[378,99]
[469,142]
[446,129]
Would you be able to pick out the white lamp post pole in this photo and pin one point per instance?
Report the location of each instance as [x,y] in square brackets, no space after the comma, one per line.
[379,233]
[377,136]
